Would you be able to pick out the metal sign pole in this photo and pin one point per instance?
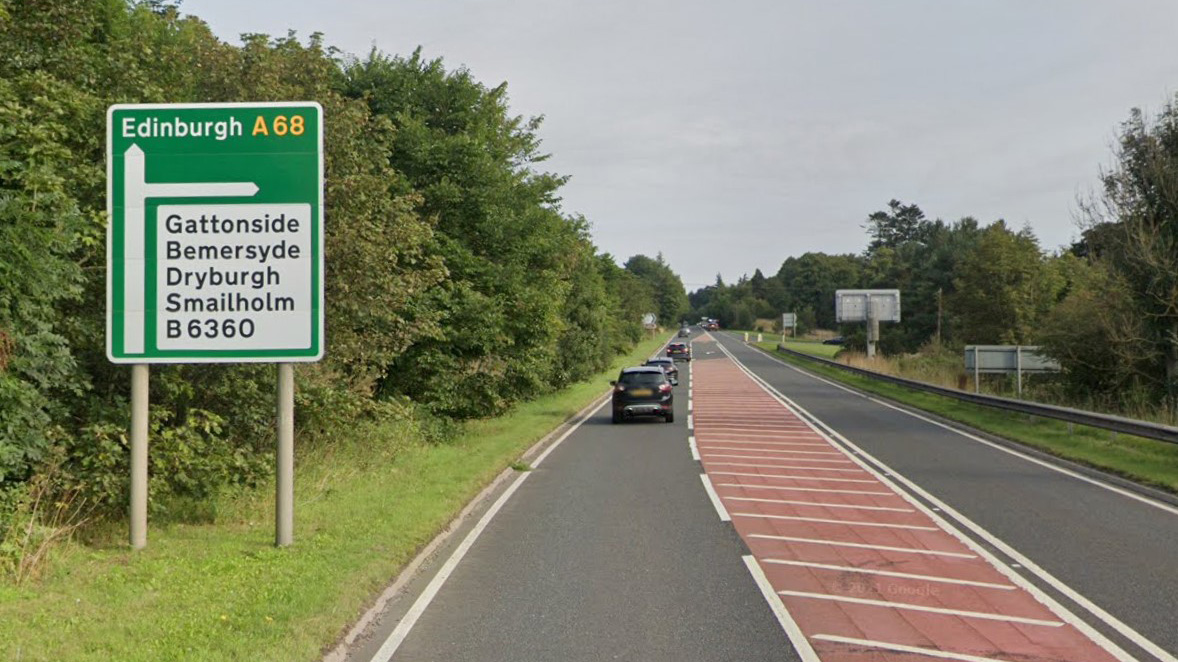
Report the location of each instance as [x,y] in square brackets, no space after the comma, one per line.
[284,482]
[977,369]
[1018,369]
[139,428]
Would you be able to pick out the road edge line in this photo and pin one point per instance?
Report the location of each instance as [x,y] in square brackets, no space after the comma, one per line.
[800,643]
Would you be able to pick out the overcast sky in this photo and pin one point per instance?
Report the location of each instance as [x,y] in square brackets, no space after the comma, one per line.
[732,135]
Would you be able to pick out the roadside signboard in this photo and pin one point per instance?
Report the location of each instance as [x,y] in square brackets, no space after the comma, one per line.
[215,234]
[999,359]
[854,305]
[789,320]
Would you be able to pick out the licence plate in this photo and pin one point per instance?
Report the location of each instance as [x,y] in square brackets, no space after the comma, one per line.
[641,392]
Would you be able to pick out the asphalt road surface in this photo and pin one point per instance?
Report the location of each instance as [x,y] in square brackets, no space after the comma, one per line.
[613,549]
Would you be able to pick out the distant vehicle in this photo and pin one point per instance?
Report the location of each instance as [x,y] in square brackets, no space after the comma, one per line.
[643,391]
[684,332]
[837,340]
[679,351]
[668,366]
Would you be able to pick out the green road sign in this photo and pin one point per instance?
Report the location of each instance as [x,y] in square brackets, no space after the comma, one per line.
[215,241]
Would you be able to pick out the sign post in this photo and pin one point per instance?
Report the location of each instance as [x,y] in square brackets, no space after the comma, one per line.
[789,320]
[214,251]
[870,306]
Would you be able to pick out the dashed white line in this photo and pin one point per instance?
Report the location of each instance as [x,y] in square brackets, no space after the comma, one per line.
[694,448]
[799,641]
[716,503]
[932,610]
[859,545]
[889,573]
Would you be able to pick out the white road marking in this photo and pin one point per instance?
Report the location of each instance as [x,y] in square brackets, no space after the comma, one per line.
[888,573]
[806,489]
[901,648]
[690,423]
[1079,476]
[860,545]
[1051,603]
[716,503]
[799,641]
[694,448]
[932,610]
[823,520]
[816,460]
[779,466]
[833,480]
[793,444]
[398,635]
[794,502]
[837,453]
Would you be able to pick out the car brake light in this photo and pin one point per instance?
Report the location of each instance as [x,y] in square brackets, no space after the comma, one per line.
[619,388]
[663,388]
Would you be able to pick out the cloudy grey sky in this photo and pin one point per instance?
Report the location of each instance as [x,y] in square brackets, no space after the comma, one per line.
[732,135]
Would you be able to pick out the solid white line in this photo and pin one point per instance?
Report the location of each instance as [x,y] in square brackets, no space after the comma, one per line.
[716,503]
[782,459]
[794,502]
[901,648]
[398,635]
[823,520]
[1054,605]
[932,610]
[887,573]
[799,641]
[694,448]
[1063,470]
[833,480]
[806,489]
[859,545]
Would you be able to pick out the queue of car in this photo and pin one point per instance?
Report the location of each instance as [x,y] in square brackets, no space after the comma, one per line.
[648,390]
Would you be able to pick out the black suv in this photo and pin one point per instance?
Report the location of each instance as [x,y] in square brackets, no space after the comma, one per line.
[643,391]
[668,366]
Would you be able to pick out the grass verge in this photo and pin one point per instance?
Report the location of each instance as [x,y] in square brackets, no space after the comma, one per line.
[222,591]
[1145,461]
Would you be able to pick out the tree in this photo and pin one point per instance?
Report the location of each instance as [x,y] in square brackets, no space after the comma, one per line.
[1005,286]
[669,294]
[1133,225]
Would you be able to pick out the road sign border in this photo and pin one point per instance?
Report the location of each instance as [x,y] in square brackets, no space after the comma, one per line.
[271,355]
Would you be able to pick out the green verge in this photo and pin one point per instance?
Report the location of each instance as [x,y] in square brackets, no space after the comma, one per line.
[363,508]
[1149,462]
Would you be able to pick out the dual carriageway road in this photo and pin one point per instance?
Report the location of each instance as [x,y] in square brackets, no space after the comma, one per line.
[782,517]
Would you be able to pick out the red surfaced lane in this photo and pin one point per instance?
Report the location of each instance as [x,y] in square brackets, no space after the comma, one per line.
[867,576]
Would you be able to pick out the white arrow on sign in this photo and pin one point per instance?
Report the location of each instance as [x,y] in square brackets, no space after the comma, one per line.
[136,191]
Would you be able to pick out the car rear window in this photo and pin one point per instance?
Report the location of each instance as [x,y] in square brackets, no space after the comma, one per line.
[643,378]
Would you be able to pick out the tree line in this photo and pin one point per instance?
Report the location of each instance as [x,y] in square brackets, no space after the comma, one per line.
[456,284]
[1105,307]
